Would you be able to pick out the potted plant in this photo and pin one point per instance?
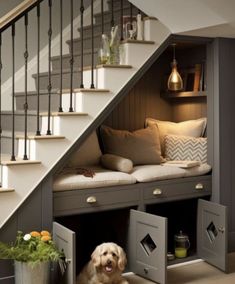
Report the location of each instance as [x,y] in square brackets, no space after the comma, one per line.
[32,254]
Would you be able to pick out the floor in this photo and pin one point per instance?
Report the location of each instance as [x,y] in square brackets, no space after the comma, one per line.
[200,272]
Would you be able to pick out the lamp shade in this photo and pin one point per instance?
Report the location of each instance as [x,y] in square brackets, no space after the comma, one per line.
[175,82]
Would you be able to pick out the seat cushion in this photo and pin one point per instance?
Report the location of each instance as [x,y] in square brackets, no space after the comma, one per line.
[148,173]
[102,178]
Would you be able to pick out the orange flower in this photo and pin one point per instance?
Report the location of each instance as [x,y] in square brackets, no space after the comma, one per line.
[35,234]
[45,233]
[45,238]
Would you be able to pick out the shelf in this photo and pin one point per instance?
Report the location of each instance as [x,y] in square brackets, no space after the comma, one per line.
[188,94]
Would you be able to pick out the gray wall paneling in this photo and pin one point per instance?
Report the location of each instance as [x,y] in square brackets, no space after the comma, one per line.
[224,129]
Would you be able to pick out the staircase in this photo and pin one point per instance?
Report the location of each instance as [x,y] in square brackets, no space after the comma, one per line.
[59,131]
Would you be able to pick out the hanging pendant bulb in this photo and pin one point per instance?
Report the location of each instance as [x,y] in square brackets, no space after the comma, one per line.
[175,82]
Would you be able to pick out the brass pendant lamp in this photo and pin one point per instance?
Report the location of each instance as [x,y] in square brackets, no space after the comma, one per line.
[175,82]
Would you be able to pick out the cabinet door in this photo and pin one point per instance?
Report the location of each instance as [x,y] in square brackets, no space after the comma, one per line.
[65,240]
[147,246]
[212,233]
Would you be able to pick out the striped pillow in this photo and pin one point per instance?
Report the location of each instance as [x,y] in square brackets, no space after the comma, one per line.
[179,147]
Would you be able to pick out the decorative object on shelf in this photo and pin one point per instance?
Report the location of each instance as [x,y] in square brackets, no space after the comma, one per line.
[175,82]
[104,51]
[182,245]
[140,28]
[114,46]
[32,254]
[129,27]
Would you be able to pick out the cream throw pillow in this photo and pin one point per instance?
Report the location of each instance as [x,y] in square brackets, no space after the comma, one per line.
[88,154]
[141,146]
[193,128]
[116,163]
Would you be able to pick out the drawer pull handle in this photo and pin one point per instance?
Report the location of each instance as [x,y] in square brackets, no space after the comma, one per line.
[199,186]
[91,199]
[157,191]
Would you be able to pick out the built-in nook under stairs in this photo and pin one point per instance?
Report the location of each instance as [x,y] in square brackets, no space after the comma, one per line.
[70,97]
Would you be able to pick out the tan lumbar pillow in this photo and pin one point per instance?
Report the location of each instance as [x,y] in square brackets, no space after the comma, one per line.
[141,146]
[116,163]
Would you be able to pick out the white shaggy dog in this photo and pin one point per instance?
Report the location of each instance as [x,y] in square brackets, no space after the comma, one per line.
[108,260]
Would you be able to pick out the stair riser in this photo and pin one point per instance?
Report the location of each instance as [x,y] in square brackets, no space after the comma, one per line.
[55,81]
[86,43]
[6,145]
[116,5]
[66,61]
[117,16]
[32,101]
[19,122]
[97,30]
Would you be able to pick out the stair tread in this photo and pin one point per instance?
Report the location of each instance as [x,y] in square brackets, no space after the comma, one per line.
[19,162]
[33,93]
[86,68]
[20,112]
[41,137]
[85,90]
[113,66]
[56,113]
[6,190]
[137,41]
[68,55]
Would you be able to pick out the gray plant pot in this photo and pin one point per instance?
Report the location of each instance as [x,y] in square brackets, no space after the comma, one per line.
[24,273]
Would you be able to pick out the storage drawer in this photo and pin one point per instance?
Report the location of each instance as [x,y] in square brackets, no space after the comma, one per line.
[178,189]
[90,200]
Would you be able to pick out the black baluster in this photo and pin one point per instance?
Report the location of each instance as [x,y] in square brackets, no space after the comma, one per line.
[26,55]
[13,93]
[38,70]
[112,14]
[121,19]
[0,97]
[49,67]
[71,58]
[131,16]
[102,16]
[92,45]
[81,38]
[61,58]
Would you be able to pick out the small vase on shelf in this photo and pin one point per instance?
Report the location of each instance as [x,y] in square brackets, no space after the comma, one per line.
[140,28]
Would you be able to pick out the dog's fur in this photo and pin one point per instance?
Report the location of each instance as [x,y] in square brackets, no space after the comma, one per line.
[107,263]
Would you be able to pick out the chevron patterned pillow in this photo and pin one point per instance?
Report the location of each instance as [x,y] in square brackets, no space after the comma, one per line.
[179,147]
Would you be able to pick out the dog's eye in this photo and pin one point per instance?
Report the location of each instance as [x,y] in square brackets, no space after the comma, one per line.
[114,254]
[105,253]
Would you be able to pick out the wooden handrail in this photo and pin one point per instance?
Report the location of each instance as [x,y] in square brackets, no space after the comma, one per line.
[16,13]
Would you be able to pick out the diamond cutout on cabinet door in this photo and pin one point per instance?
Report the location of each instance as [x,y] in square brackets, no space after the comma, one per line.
[212,232]
[148,244]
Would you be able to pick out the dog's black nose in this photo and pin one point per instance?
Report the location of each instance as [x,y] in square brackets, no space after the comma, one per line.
[109,261]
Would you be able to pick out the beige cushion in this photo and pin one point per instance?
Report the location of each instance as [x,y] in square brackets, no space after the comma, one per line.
[88,154]
[179,147]
[194,128]
[148,173]
[141,146]
[116,163]
[102,178]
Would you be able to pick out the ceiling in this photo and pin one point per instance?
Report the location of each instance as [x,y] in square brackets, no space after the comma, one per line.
[210,18]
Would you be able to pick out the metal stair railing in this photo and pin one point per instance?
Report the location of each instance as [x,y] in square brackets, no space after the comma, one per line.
[22,11]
